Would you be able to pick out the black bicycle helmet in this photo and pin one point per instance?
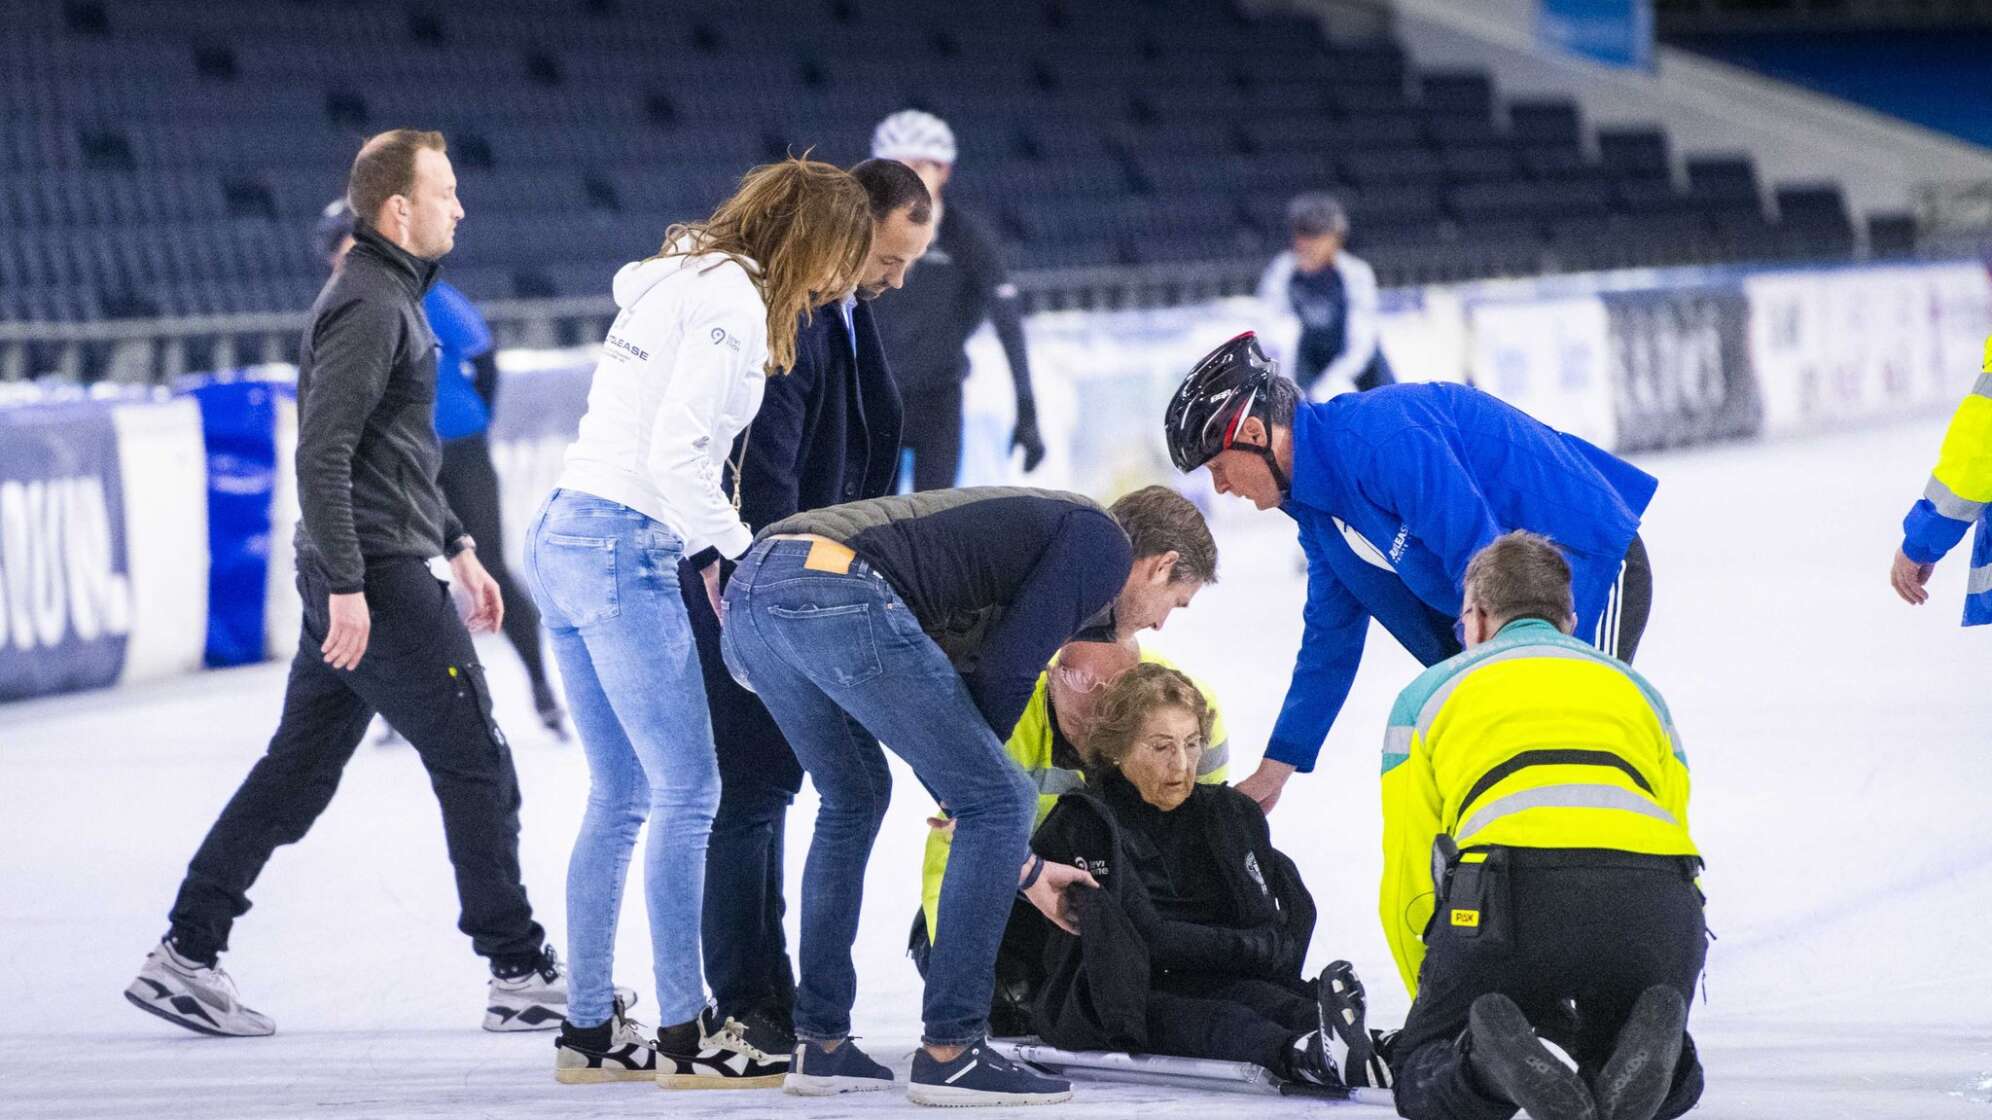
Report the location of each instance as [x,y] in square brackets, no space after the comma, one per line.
[1214,399]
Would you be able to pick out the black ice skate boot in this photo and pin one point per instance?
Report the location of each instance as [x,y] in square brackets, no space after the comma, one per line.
[1511,1063]
[1343,1003]
[1635,1081]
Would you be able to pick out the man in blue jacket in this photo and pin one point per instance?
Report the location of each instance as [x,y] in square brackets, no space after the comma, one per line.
[1395,490]
[827,433]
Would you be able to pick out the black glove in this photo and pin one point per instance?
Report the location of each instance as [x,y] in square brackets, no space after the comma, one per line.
[1026,436]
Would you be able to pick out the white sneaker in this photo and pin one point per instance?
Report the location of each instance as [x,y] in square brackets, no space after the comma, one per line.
[631,1054]
[536,1001]
[195,996]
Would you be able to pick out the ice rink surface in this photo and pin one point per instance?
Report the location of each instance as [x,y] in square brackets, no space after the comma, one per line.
[1839,742]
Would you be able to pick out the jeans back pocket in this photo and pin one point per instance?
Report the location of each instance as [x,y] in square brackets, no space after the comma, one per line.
[832,644]
[577,578]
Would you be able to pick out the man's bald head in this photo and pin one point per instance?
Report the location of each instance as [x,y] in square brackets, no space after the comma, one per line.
[1080,678]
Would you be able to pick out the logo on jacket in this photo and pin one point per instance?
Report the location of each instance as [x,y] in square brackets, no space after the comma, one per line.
[1097,868]
[1361,546]
[1252,869]
[720,336]
[1398,543]
[620,346]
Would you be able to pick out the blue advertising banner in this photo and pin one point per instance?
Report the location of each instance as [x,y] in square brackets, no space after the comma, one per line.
[65,582]
[238,423]
[1615,32]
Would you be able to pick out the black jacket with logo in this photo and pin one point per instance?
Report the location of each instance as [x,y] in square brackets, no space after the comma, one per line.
[1256,917]
[367,453]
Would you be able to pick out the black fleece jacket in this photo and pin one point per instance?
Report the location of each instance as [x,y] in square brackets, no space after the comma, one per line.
[367,453]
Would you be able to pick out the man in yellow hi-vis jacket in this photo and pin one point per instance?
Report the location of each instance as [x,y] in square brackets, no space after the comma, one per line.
[1958,496]
[1538,874]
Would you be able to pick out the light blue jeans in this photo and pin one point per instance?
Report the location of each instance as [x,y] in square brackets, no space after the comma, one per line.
[605,578]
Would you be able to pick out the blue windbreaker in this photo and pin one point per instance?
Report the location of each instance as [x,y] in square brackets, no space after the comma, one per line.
[1395,490]
[461,335]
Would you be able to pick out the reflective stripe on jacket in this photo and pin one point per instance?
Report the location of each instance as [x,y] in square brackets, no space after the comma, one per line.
[1959,495]
[1532,740]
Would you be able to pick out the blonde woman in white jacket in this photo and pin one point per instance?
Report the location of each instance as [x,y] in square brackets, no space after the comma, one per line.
[703,324]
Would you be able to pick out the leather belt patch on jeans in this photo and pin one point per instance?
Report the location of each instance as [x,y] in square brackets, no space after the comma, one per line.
[826,555]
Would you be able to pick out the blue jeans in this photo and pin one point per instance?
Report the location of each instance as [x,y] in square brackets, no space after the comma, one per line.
[837,657]
[606,581]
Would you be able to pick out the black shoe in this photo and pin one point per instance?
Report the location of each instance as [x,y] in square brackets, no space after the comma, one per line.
[1635,1081]
[1508,1059]
[768,1030]
[1339,994]
[721,1059]
[618,1050]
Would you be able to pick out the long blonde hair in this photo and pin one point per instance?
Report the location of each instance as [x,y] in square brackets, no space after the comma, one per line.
[806,223]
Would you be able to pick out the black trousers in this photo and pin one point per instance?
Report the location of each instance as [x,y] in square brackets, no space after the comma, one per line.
[421,672]
[1230,1018]
[1629,605]
[746,953]
[470,485]
[1582,941]
[932,433]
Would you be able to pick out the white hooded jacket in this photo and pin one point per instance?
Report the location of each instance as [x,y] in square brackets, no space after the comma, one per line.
[681,373]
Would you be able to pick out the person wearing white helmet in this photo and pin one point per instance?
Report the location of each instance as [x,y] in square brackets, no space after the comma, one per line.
[958,285]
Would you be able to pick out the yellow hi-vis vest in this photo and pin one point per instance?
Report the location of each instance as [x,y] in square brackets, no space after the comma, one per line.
[1030,746]
[1531,740]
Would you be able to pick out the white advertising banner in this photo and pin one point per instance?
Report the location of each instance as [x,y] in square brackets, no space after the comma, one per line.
[1836,347]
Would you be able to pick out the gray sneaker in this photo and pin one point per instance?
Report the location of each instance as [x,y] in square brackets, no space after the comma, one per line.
[198,997]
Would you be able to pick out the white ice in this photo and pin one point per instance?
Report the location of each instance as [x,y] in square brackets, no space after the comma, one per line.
[1838,740]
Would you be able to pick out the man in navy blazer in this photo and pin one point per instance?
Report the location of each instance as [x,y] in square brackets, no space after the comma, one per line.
[828,433]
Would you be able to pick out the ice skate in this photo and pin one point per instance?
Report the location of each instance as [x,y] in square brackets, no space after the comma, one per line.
[1343,1004]
[1512,1064]
[618,1050]
[1636,1079]
[198,997]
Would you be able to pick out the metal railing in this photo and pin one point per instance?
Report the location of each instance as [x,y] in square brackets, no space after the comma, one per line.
[140,351]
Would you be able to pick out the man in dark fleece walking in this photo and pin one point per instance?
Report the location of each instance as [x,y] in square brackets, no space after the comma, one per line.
[380,633]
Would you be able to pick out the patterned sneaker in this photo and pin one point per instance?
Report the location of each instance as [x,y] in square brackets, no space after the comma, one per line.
[1350,1042]
[1506,1057]
[724,1060]
[980,1076]
[199,997]
[535,999]
[618,1050]
[1635,1082]
[817,1072]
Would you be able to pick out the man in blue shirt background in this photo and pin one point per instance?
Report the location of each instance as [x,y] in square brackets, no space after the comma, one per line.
[466,389]
[1394,491]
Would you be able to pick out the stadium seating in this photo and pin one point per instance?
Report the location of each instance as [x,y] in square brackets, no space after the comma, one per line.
[170,156]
